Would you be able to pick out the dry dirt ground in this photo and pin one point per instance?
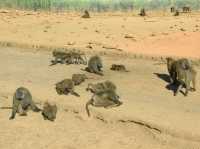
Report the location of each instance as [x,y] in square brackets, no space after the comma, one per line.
[151,117]
[158,34]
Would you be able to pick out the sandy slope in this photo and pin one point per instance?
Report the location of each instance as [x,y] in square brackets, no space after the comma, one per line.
[151,117]
[158,35]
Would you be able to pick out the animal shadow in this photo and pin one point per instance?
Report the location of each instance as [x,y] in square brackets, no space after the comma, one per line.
[164,77]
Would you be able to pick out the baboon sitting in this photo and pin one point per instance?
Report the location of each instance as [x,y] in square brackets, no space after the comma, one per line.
[86,14]
[176,13]
[49,111]
[22,101]
[172,64]
[116,67]
[184,78]
[186,9]
[65,87]
[78,78]
[95,65]
[104,99]
[100,87]
[142,12]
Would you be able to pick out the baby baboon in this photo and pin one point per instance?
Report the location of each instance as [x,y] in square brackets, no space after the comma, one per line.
[104,99]
[116,67]
[172,65]
[176,13]
[86,14]
[142,12]
[186,9]
[95,65]
[65,87]
[172,9]
[49,111]
[78,78]
[100,87]
[184,78]
[22,101]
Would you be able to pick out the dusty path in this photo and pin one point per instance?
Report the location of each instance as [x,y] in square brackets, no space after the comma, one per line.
[151,117]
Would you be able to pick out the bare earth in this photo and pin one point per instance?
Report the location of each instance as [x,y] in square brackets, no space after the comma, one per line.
[150,118]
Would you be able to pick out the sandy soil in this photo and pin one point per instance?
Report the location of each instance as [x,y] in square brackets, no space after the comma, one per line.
[156,35]
[151,117]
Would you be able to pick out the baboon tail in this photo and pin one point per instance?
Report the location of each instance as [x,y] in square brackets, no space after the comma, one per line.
[6,108]
[85,60]
[75,94]
[87,107]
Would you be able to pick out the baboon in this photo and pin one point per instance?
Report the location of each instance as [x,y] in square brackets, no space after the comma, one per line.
[49,111]
[95,65]
[104,99]
[186,9]
[172,9]
[76,58]
[184,78]
[100,87]
[78,78]
[60,57]
[142,12]
[22,101]
[70,57]
[176,13]
[86,14]
[65,87]
[116,67]
[172,65]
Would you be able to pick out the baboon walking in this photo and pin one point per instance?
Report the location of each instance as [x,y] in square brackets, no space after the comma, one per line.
[22,101]
[185,77]
[142,12]
[172,65]
[186,9]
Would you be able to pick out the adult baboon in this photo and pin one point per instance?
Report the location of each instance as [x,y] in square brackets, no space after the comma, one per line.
[172,9]
[78,78]
[184,78]
[176,13]
[95,65]
[49,111]
[172,65]
[186,9]
[22,101]
[65,87]
[86,14]
[116,67]
[104,99]
[142,12]
[100,87]
[60,57]
[77,58]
